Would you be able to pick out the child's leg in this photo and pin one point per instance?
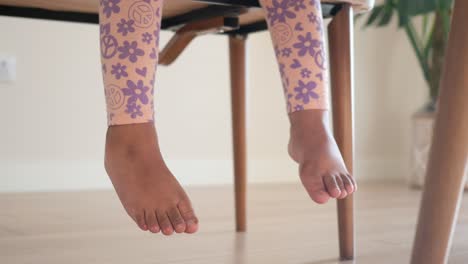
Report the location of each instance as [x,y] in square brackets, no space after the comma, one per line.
[296,28]
[129,48]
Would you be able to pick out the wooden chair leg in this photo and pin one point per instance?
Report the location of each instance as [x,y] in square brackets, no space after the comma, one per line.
[340,36]
[238,81]
[182,38]
[449,151]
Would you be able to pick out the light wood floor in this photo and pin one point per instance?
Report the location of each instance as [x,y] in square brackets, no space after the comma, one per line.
[284,227]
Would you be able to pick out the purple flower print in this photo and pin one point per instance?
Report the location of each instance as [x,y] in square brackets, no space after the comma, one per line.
[320,58]
[119,70]
[110,6]
[315,3]
[279,11]
[315,20]
[158,12]
[319,27]
[284,78]
[156,34]
[153,54]
[298,27]
[312,18]
[298,108]
[306,44]
[319,75]
[305,73]
[136,92]
[147,38]
[130,51]
[304,91]
[134,110]
[281,68]
[105,29]
[286,52]
[125,26]
[297,4]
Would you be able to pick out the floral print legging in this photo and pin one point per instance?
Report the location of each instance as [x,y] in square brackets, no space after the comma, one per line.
[129,37]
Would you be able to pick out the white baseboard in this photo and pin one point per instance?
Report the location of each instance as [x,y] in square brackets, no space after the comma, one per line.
[64,175]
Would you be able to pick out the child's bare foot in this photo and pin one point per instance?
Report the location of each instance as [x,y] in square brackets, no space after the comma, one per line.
[147,189]
[321,167]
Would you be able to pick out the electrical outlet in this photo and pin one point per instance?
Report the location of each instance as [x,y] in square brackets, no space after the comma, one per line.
[7,68]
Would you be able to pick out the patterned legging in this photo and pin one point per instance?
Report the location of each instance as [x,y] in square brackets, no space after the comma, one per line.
[129,33]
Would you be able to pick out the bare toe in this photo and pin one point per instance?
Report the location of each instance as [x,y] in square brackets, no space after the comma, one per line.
[349,186]
[319,196]
[151,221]
[340,183]
[140,220]
[177,221]
[164,223]
[332,186]
[353,181]
[191,220]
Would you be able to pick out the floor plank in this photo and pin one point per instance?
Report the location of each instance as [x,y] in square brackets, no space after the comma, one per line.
[284,226]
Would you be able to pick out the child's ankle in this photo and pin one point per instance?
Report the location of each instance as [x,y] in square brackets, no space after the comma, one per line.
[131,134]
[313,120]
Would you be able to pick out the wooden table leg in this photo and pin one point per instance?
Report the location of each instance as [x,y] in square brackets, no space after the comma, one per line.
[340,34]
[446,168]
[238,81]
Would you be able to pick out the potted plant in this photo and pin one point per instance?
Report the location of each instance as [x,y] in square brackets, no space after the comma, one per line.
[429,41]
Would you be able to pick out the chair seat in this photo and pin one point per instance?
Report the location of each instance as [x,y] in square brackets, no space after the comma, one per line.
[175,12]
[171,7]
[358,5]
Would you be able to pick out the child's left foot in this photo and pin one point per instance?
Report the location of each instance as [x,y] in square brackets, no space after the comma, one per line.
[321,167]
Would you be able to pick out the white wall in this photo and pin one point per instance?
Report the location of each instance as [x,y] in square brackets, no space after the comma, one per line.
[53,116]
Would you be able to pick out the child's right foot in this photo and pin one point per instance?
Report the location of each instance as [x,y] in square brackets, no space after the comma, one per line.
[147,189]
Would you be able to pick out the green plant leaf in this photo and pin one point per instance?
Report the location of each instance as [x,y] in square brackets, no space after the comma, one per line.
[425,23]
[428,44]
[409,8]
[418,7]
[445,4]
[375,13]
[386,16]
[446,19]
[417,47]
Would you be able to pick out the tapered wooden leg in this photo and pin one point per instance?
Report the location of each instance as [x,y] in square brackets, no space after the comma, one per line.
[238,81]
[340,36]
[446,168]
